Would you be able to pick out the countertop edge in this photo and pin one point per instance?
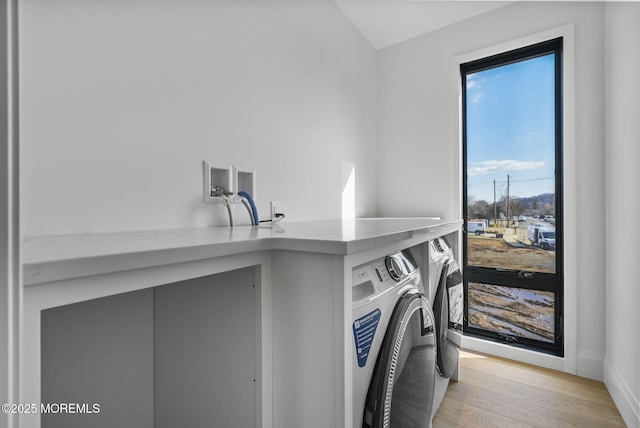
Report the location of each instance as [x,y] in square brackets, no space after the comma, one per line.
[46,271]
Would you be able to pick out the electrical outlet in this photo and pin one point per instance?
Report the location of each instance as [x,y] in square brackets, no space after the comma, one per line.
[276,207]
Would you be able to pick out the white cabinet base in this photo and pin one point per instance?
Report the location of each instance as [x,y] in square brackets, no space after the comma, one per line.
[182,354]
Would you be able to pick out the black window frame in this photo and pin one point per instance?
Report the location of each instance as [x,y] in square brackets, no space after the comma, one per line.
[553,282]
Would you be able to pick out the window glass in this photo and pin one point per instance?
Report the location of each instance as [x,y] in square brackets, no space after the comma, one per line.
[512,312]
[511,146]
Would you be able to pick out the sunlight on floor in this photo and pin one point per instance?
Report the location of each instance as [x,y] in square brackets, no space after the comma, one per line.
[469,355]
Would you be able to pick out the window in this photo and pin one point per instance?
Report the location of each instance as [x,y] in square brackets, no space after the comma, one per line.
[512,196]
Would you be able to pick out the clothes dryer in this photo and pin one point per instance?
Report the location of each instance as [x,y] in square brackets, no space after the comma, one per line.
[394,358]
[446,295]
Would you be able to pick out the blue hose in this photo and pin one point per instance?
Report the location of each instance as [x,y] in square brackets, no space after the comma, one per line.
[254,210]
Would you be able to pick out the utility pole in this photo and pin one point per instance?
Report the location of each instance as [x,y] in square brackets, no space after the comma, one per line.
[508,203]
[495,207]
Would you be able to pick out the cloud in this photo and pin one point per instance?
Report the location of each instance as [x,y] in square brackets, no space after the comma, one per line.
[472,83]
[488,167]
[476,98]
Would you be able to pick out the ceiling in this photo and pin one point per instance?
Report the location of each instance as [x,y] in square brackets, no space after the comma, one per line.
[387,22]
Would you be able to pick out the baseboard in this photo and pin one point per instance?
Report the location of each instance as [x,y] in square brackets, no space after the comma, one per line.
[513,353]
[590,365]
[622,396]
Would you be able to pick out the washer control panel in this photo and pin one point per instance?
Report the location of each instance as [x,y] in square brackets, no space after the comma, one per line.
[400,264]
[380,276]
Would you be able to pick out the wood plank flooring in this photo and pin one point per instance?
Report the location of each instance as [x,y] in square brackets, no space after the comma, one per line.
[494,392]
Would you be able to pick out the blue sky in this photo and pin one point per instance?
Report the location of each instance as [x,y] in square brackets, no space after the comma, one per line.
[510,129]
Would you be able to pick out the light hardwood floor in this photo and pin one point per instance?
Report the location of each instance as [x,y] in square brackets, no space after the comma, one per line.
[493,392]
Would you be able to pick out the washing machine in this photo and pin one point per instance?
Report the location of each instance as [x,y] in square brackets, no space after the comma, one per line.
[446,295]
[394,338]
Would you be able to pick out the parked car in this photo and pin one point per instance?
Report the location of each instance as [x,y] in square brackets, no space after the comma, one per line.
[549,218]
[522,218]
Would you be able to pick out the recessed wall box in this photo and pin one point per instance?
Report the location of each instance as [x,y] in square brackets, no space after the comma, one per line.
[245,182]
[218,177]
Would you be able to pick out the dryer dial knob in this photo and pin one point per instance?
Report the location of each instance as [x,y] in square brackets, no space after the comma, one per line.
[394,267]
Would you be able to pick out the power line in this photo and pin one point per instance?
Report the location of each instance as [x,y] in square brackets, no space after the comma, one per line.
[514,181]
[533,179]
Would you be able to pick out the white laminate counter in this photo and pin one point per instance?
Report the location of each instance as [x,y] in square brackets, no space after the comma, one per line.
[51,258]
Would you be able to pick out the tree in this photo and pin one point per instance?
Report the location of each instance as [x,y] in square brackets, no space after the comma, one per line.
[518,207]
[480,209]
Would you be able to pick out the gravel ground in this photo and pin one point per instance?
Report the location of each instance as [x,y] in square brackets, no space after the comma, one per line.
[494,252]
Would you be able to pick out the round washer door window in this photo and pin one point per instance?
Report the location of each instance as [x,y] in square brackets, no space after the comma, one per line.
[402,387]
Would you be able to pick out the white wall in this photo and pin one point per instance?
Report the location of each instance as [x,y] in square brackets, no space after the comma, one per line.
[121,101]
[622,68]
[418,141]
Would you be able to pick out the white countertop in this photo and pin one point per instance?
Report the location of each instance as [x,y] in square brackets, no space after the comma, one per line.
[56,257]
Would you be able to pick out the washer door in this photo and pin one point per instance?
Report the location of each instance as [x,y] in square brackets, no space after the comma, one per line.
[402,387]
